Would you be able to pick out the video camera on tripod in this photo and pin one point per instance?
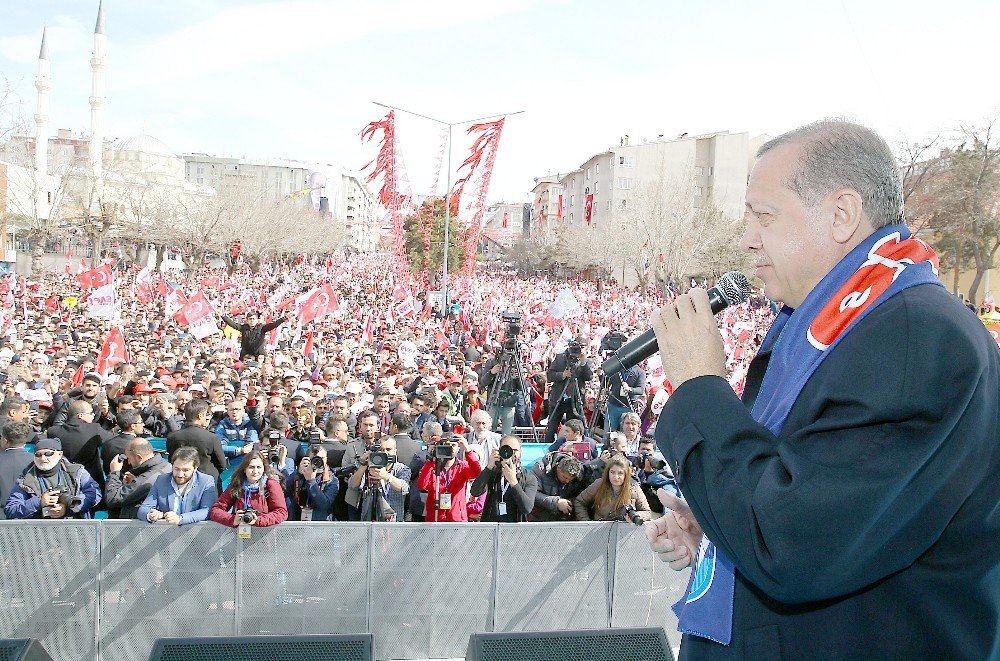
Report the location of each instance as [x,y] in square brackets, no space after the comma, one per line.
[513,320]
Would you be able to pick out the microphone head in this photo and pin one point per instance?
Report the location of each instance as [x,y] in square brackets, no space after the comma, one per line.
[734,287]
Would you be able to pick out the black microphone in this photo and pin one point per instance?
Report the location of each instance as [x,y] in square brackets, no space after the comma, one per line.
[732,288]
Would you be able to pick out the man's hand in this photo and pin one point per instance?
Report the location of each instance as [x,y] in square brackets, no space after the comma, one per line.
[247,448]
[154,516]
[495,369]
[128,478]
[50,498]
[675,536]
[307,469]
[173,518]
[509,472]
[57,511]
[116,463]
[688,338]
[494,458]
[379,473]
[568,372]
[565,506]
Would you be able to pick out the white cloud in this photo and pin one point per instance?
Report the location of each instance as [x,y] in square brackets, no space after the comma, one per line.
[65,35]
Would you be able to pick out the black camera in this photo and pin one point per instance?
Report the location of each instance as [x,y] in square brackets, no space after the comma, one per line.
[632,515]
[314,436]
[345,472]
[273,437]
[513,320]
[443,450]
[506,452]
[273,455]
[249,514]
[574,350]
[378,460]
[614,341]
[317,463]
[654,463]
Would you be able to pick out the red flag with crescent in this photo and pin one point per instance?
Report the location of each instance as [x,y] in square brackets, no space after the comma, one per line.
[112,352]
[322,302]
[95,278]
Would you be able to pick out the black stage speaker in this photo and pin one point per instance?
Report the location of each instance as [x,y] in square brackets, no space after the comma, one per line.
[22,649]
[326,647]
[645,644]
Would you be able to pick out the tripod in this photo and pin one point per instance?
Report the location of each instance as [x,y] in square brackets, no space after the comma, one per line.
[511,370]
[600,406]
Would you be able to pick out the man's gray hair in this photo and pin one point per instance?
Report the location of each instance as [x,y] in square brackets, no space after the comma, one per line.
[840,154]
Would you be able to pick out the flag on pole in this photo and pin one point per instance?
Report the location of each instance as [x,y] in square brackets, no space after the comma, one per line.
[322,302]
[112,352]
[199,316]
[95,278]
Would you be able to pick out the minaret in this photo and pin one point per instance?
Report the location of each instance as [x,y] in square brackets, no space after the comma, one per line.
[97,64]
[43,86]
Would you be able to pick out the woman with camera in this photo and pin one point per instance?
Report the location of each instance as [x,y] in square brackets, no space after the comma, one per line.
[616,496]
[312,489]
[254,496]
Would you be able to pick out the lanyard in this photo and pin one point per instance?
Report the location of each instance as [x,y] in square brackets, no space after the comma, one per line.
[446,478]
[45,483]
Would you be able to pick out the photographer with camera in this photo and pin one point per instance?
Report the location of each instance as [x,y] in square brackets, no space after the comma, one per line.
[568,374]
[560,478]
[626,390]
[312,489]
[274,449]
[52,487]
[653,473]
[445,477]
[254,497]
[616,496]
[377,490]
[512,389]
[126,491]
[368,425]
[510,490]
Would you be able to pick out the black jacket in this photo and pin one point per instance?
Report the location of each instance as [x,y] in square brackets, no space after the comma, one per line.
[208,445]
[573,387]
[519,498]
[869,528]
[81,444]
[252,337]
[123,500]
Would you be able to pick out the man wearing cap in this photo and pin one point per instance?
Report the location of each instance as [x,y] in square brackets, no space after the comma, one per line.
[253,334]
[52,487]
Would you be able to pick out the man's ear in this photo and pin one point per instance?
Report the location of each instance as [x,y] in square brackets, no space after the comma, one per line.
[848,215]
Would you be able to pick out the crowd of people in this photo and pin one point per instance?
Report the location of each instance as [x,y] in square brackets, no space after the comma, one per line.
[379,405]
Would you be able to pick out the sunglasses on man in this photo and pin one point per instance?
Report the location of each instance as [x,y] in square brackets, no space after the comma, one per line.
[45,454]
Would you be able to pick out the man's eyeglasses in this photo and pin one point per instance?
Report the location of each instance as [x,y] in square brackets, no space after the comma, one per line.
[45,453]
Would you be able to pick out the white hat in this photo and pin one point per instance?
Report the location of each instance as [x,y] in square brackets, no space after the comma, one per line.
[299,394]
[305,385]
[291,374]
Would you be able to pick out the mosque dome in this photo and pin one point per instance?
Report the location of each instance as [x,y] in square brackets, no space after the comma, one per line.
[146,144]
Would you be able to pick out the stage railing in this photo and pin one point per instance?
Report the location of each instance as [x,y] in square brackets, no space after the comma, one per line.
[108,589]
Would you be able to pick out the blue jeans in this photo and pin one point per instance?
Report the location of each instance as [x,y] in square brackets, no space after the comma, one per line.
[613,418]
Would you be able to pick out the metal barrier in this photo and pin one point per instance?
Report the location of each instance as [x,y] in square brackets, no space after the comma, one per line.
[108,589]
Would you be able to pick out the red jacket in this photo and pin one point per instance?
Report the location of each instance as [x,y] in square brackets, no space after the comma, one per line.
[270,512]
[461,473]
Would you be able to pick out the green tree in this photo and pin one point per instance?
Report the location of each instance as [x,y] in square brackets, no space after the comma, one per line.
[428,223]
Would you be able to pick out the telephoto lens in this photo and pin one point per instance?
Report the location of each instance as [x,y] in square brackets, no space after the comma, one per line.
[317,463]
[506,452]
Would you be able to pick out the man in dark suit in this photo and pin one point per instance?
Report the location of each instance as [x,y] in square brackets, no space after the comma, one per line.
[131,425]
[195,434]
[82,438]
[849,502]
[568,374]
[14,459]
[406,447]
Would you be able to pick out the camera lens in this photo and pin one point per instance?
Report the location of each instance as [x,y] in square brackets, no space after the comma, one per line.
[506,452]
[317,463]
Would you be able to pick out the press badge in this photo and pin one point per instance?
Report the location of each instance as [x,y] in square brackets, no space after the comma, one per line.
[502,508]
[444,501]
[307,514]
[244,531]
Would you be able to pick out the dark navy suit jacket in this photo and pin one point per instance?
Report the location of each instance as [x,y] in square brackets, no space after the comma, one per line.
[870,528]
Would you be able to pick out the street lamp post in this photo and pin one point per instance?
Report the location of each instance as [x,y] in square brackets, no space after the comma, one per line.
[447,202]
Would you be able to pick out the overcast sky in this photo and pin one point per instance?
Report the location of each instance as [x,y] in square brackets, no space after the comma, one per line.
[297,79]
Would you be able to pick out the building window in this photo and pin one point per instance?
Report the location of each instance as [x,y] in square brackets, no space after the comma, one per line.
[588,175]
[698,191]
[709,170]
[49,195]
[597,168]
[572,200]
[626,161]
[624,183]
[607,206]
[699,171]
[595,188]
[624,204]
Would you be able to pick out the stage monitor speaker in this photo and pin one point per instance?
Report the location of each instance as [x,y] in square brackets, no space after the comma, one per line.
[22,649]
[638,644]
[325,647]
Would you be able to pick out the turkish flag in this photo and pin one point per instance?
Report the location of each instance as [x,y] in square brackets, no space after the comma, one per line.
[199,316]
[367,331]
[239,307]
[442,340]
[309,345]
[112,351]
[588,210]
[52,304]
[322,302]
[95,278]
